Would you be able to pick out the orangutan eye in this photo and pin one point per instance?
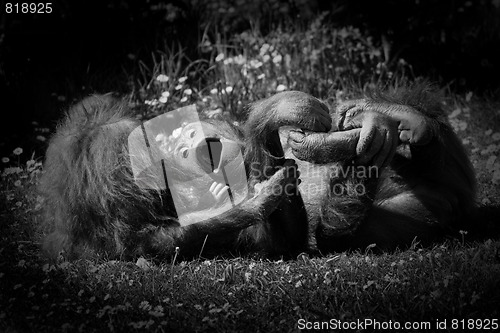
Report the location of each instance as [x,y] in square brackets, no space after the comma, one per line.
[191,133]
[184,152]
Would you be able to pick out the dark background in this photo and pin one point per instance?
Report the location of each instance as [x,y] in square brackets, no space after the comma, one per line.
[49,60]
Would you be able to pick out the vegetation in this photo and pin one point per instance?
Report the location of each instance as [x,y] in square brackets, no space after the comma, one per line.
[325,61]
[458,279]
[245,294]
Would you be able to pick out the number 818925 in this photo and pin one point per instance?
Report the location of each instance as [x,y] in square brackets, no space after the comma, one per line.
[28,8]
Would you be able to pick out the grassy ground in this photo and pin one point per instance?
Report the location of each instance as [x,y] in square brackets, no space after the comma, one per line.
[456,281]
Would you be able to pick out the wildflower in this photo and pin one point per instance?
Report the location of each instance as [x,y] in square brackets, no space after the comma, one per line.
[261,76]
[184,99]
[228,61]
[214,91]
[176,132]
[277,59]
[280,87]
[240,59]
[161,138]
[152,102]
[264,48]
[220,57]
[178,87]
[188,91]
[144,305]
[468,96]
[229,89]
[17,183]
[182,79]
[5,160]
[157,311]
[288,60]
[343,33]
[163,99]
[18,151]
[206,46]
[162,78]
[165,94]
[41,138]
[266,58]
[11,171]
[255,63]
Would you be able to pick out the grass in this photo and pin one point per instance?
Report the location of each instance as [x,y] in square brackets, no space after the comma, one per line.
[458,279]
[244,294]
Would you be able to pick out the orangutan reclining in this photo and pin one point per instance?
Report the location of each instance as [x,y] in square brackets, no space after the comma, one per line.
[383,170]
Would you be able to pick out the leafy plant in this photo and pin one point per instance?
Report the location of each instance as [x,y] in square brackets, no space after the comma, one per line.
[232,72]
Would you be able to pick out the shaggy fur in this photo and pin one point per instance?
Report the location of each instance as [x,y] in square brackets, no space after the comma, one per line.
[427,189]
[93,205]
